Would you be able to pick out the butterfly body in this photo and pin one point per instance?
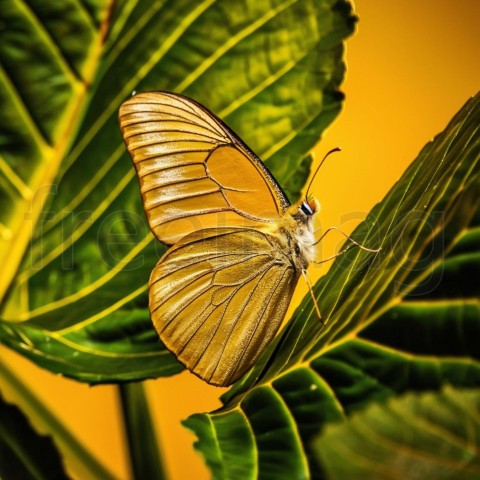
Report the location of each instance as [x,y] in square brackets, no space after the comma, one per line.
[300,233]
[218,296]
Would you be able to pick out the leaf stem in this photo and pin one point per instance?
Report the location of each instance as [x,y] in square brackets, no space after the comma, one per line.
[145,457]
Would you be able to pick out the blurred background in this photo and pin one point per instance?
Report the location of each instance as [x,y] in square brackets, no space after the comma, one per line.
[411,66]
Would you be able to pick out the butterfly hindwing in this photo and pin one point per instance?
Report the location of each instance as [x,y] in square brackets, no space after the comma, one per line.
[218,297]
[194,172]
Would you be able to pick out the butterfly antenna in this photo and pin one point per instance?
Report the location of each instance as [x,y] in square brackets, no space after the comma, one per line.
[336,149]
[309,285]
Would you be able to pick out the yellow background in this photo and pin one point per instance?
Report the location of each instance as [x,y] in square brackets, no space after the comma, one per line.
[411,66]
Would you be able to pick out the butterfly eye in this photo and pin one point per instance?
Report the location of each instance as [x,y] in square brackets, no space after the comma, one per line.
[306,209]
[297,249]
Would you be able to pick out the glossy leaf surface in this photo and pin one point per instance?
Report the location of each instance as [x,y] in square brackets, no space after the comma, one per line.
[434,435]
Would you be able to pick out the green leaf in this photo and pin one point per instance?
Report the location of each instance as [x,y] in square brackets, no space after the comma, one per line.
[23,452]
[404,320]
[76,249]
[77,456]
[143,447]
[434,435]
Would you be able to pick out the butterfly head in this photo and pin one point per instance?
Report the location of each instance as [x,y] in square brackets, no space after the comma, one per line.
[309,206]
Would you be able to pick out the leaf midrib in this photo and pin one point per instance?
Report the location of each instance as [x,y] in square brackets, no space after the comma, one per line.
[22,232]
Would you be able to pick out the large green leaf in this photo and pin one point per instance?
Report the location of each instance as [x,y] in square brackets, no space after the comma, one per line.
[76,252]
[434,435]
[404,320]
[23,452]
[21,446]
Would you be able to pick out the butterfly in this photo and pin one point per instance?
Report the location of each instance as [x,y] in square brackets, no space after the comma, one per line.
[219,294]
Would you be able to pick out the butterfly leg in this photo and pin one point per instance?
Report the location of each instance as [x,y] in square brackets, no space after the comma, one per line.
[310,288]
[355,243]
[341,252]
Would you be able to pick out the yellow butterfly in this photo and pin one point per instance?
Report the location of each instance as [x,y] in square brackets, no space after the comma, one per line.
[220,293]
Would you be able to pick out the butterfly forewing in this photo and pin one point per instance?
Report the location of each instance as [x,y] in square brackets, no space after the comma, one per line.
[218,297]
[194,172]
